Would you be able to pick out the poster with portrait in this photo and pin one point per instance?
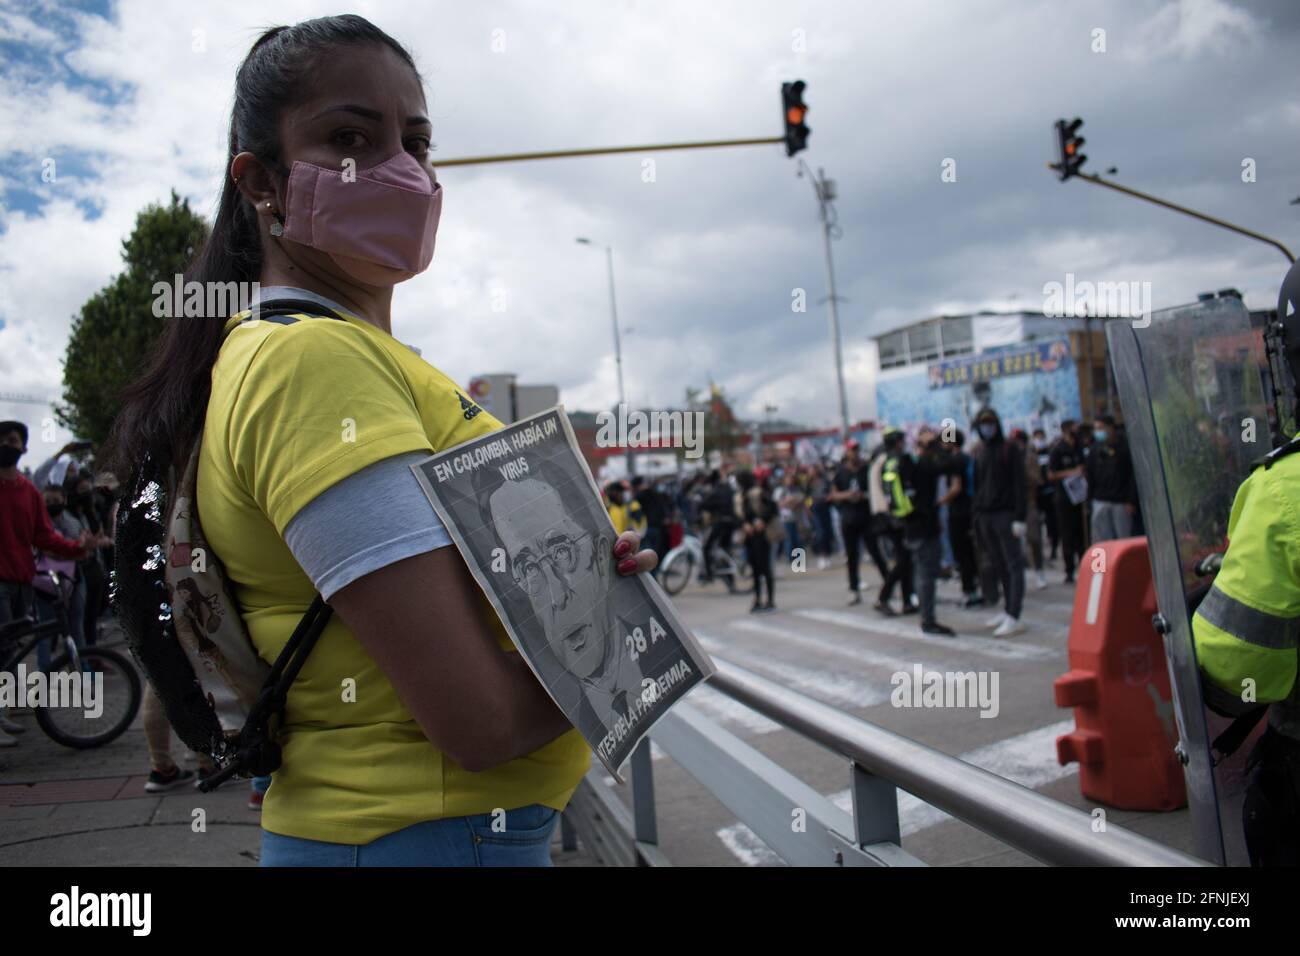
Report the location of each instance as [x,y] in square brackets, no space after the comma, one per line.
[521,506]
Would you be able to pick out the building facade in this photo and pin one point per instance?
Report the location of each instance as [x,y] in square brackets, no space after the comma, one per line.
[1034,371]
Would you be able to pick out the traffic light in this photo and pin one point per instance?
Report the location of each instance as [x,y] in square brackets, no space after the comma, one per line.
[796,133]
[1069,144]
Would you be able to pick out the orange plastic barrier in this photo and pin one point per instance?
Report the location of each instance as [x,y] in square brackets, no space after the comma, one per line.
[1118,685]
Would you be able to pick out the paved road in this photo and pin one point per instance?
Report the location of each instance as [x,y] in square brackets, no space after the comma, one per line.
[59,806]
[845,656]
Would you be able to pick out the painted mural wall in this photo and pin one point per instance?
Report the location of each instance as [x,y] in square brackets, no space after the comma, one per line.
[1031,385]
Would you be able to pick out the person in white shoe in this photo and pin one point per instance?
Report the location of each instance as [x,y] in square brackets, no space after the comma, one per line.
[1001,501]
[1033,517]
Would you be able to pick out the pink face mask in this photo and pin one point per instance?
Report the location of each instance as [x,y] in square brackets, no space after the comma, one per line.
[379,228]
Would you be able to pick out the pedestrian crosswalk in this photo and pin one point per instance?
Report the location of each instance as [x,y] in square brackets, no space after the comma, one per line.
[907,629]
[1020,759]
[839,687]
[847,657]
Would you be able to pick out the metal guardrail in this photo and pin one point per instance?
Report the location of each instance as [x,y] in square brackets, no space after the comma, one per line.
[805,828]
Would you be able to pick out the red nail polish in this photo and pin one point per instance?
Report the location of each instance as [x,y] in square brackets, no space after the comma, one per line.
[622,548]
[627,566]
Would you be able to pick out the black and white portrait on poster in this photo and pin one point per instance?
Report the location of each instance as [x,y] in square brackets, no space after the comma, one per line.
[527,517]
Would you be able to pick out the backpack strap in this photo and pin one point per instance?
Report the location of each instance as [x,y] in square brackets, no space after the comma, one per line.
[283,311]
[257,752]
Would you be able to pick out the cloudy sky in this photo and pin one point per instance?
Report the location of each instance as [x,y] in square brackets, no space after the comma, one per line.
[131,100]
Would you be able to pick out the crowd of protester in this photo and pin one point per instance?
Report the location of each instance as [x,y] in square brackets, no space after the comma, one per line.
[988,512]
[56,519]
[990,509]
[60,518]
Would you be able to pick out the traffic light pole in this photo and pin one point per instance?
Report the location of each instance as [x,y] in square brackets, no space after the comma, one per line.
[618,344]
[835,325]
[1240,230]
[603,151]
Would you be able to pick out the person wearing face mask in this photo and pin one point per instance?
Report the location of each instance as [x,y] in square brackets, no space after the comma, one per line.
[898,508]
[24,526]
[305,424]
[721,505]
[1033,517]
[760,513]
[79,494]
[624,510]
[961,533]
[1110,481]
[1046,492]
[1001,504]
[849,493]
[70,524]
[656,512]
[1064,462]
[917,480]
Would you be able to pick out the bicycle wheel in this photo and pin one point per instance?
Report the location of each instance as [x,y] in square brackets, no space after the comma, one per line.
[677,573]
[116,699]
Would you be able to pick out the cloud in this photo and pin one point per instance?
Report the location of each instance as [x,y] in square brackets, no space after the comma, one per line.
[707,250]
[1187,29]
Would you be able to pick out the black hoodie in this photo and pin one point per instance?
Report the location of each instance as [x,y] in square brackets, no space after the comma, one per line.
[999,472]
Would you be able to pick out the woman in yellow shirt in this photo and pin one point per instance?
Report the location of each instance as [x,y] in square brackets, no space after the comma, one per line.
[414,734]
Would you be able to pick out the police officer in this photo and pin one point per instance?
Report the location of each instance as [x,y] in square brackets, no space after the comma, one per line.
[900,507]
[1247,630]
[849,493]
[912,484]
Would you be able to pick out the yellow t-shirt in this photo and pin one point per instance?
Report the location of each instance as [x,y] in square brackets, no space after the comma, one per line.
[626,516]
[294,410]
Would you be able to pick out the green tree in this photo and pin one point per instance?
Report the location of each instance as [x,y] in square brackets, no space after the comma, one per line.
[115,331]
[722,432]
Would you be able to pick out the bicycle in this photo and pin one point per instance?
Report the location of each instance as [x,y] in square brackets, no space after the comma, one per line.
[119,695]
[680,563]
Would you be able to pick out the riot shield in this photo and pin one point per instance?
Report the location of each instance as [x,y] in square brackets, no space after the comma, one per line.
[1191,390]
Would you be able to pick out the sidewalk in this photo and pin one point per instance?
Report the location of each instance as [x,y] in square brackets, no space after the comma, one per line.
[64,807]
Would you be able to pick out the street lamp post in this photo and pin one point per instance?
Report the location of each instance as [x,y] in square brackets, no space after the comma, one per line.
[618,343]
[767,425]
[825,191]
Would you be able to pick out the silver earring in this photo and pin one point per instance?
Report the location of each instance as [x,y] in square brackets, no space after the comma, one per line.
[277,229]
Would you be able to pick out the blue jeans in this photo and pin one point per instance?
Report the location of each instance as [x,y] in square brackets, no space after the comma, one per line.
[520,837]
[822,533]
[792,539]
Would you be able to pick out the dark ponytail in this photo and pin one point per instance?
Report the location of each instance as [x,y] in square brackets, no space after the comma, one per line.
[163,410]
